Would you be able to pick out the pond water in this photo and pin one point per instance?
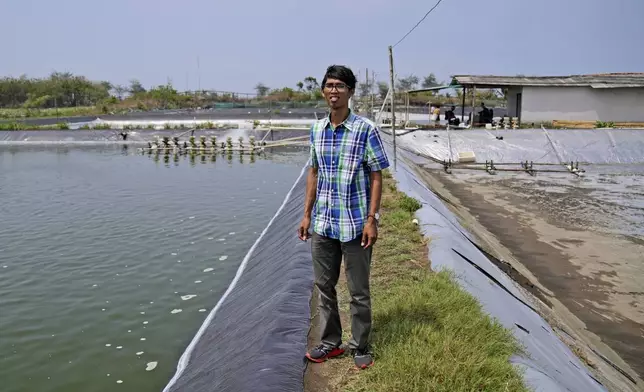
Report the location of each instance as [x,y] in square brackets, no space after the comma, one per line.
[110,260]
[607,198]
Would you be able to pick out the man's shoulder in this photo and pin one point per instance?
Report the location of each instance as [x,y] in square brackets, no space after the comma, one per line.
[363,124]
[319,125]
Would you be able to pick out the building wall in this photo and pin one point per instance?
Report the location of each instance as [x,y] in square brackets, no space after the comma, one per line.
[512,100]
[582,104]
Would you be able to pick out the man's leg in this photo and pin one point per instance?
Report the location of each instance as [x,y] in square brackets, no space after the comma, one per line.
[327,258]
[357,264]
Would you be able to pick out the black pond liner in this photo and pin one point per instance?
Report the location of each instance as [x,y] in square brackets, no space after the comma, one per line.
[549,365]
[255,337]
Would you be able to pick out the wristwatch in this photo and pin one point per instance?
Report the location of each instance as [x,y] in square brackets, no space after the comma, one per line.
[375,216]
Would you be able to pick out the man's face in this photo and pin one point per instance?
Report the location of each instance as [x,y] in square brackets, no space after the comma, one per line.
[336,93]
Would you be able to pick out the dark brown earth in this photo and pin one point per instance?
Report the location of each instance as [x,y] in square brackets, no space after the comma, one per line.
[331,375]
[585,270]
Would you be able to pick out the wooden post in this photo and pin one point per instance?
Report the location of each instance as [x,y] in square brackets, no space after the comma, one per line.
[463,106]
[473,104]
[406,109]
[393,99]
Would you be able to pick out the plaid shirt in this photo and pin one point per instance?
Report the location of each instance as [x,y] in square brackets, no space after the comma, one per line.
[344,157]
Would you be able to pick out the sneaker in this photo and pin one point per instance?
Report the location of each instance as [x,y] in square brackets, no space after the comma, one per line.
[322,352]
[362,358]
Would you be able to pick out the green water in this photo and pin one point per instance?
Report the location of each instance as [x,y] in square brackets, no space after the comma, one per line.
[111,260]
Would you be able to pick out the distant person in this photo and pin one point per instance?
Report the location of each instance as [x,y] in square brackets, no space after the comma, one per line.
[343,191]
[436,115]
[485,115]
[451,118]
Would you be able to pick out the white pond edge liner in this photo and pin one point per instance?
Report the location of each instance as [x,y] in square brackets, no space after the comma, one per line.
[549,365]
[161,124]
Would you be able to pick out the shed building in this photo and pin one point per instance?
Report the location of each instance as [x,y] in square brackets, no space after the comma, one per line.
[610,97]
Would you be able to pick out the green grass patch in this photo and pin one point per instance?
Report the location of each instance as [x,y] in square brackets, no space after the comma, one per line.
[50,112]
[429,334]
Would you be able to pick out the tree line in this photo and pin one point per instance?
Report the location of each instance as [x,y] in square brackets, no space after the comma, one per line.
[64,89]
[309,88]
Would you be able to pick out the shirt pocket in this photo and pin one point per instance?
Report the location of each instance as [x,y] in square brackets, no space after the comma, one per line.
[352,158]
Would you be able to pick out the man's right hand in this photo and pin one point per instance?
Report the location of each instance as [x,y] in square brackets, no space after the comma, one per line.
[303,231]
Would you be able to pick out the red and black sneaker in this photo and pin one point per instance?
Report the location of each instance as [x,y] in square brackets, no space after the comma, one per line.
[363,358]
[322,352]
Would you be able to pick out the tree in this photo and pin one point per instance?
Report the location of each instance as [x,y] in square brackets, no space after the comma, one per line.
[364,89]
[300,86]
[59,89]
[430,81]
[261,89]
[282,94]
[107,86]
[311,83]
[383,88]
[136,87]
[408,83]
[120,90]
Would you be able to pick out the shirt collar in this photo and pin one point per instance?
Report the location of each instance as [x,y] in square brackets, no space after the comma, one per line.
[347,123]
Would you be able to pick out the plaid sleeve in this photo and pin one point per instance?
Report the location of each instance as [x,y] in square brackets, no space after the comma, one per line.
[376,157]
[313,156]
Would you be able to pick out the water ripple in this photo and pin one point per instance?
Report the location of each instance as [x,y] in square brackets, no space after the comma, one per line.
[95,238]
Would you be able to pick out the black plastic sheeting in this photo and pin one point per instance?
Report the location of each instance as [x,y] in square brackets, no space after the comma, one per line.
[256,336]
[549,364]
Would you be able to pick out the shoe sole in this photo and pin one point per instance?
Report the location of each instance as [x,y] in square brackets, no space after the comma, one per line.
[323,359]
[364,366]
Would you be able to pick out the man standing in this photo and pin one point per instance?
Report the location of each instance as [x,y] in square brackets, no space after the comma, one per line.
[343,191]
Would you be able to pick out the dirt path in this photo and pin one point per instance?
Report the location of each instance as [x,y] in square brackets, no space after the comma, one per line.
[331,375]
[597,277]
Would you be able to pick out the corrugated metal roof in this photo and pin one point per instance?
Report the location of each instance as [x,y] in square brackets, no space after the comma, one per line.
[606,80]
[435,88]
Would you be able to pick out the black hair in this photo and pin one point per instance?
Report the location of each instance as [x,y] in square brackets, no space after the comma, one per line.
[342,73]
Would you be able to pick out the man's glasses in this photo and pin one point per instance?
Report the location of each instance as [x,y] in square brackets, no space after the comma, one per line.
[341,87]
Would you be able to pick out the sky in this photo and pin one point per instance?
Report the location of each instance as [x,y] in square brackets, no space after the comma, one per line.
[233,45]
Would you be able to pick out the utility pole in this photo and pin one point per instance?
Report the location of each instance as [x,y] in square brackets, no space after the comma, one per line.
[364,99]
[393,105]
[373,81]
[198,75]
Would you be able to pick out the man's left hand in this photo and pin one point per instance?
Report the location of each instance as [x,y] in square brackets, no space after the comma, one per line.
[369,234]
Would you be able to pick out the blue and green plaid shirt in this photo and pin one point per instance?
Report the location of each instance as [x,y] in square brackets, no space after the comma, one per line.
[344,157]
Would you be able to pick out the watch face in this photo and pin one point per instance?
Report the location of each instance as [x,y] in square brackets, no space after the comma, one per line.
[377,215]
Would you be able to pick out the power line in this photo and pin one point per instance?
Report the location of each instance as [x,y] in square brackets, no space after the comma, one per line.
[419,22]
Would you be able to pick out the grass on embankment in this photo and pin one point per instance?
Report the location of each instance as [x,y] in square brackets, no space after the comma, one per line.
[13,113]
[429,334]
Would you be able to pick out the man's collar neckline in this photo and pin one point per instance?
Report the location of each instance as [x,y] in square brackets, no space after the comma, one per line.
[348,122]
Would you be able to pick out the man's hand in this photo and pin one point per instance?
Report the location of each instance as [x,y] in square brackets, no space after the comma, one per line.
[303,231]
[369,233]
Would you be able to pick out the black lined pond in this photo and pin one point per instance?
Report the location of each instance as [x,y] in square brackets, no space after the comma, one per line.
[110,260]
